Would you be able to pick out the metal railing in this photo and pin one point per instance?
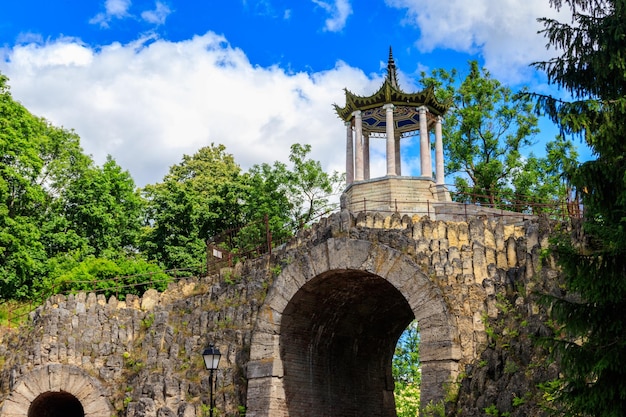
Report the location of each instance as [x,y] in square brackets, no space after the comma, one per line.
[465,205]
[228,248]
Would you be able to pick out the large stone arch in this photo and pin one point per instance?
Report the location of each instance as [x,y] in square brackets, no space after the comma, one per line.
[325,293]
[67,387]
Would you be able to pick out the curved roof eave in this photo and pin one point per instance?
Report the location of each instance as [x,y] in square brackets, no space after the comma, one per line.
[388,94]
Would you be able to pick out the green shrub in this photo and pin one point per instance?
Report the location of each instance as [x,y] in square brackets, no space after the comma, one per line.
[111,277]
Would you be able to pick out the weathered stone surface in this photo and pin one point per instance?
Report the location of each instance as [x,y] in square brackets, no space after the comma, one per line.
[347,285]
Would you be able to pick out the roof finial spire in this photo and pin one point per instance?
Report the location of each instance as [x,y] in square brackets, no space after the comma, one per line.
[391,70]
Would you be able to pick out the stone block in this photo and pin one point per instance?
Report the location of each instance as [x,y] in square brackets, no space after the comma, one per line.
[270,367]
[266,397]
[318,256]
[423,300]
[428,229]
[434,314]
[268,320]
[24,391]
[511,252]
[438,334]
[264,345]
[479,262]
[400,272]
[96,406]
[12,408]
[532,236]
[348,253]
[187,410]
[418,229]
[281,293]
[77,385]
[490,238]
[56,377]
[441,230]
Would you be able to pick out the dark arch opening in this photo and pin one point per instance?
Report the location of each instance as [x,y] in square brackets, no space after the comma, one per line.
[338,336]
[56,404]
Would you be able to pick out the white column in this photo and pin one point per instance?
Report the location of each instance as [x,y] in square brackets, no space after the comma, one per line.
[366,156]
[397,152]
[425,162]
[349,154]
[439,153]
[391,147]
[358,138]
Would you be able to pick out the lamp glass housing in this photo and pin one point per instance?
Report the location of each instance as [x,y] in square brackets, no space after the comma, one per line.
[211,357]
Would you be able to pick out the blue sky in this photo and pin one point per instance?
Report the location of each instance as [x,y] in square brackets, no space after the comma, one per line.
[147,81]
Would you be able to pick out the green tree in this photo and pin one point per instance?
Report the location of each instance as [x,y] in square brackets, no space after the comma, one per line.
[540,181]
[103,207]
[57,208]
[295,196]
[265,197]
[407,375]
[487,129]
[96,218]
[591,66]
[21,252]
[36,162]
[199,198]
[206,195]
[309,187]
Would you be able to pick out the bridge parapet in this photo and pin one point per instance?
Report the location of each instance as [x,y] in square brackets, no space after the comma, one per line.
[338,296]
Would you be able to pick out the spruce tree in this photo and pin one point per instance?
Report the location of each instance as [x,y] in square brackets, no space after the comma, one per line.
[591,342]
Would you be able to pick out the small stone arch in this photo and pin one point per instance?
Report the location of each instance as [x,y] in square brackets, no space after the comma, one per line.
[346,264]
[57,388]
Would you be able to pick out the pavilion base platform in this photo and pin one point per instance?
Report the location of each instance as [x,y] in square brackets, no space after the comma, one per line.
[395,194]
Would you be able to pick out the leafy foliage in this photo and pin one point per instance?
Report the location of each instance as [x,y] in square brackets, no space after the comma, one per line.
[104,208]
[308,187]
[293,197]
[197,199]
[36,159]
[207,194]
[266,195]
[407,373]
[112,277]
[67,224]
[407,398]
[57,208]
[487,128]
[592,68]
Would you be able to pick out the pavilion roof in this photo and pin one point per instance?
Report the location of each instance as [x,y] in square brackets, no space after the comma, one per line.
[390,92]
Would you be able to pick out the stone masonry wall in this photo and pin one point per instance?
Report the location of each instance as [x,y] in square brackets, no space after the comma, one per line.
[145,352]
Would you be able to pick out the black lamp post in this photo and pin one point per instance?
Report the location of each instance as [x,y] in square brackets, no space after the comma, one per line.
[211,357]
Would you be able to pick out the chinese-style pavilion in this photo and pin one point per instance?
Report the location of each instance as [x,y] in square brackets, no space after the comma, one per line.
[392,114]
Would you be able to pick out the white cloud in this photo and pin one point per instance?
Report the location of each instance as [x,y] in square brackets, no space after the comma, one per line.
[158,15]
[149,102]
[504,32]
[66,52]
[339,10]
[117,8]
[113,9]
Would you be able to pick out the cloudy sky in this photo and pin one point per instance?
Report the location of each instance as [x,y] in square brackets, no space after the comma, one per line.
[147,81]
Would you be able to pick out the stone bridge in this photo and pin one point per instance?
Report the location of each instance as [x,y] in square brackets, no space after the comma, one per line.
[319,342]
